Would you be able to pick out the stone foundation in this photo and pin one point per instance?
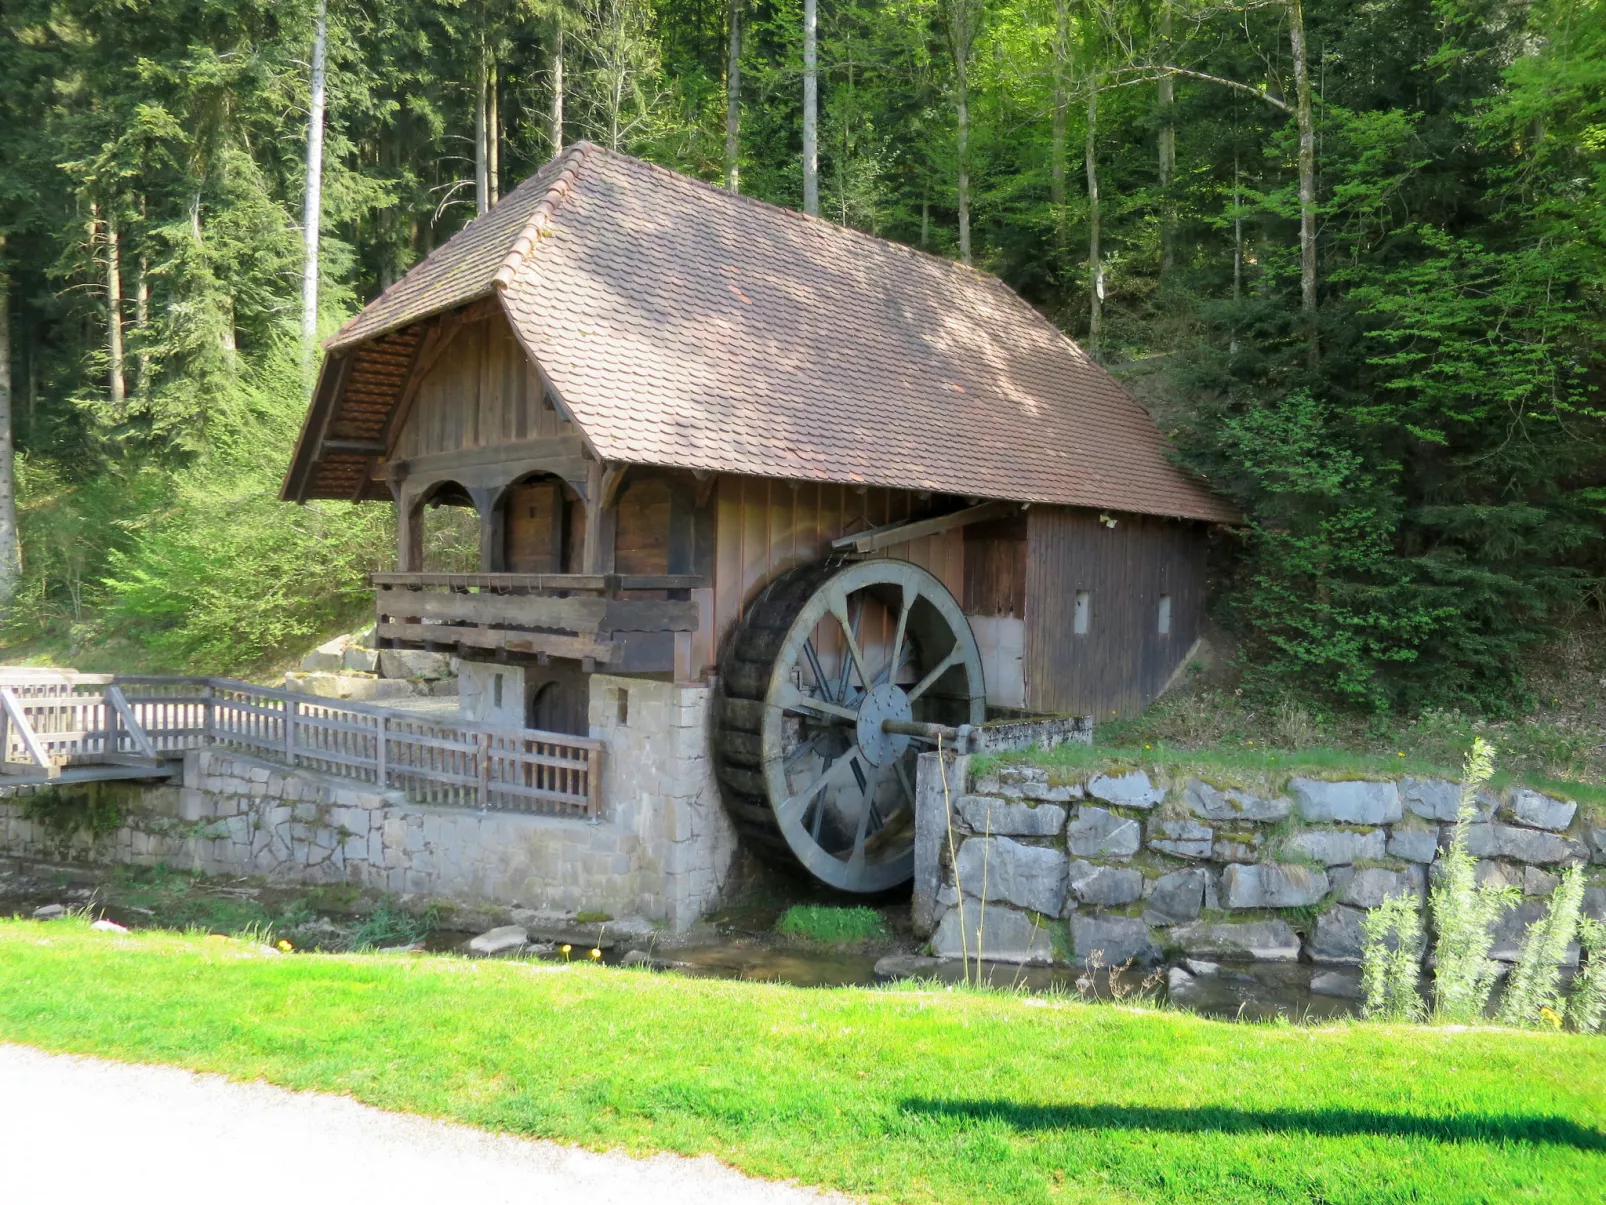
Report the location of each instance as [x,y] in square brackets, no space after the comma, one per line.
[1112,867]
[660,851]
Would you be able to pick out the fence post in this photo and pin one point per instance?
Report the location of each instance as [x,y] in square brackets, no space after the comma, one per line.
[594,782]
[381,770]
[485,769]
[291,709]
[208,715]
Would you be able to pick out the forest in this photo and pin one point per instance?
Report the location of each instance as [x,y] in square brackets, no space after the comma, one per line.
[1351,254]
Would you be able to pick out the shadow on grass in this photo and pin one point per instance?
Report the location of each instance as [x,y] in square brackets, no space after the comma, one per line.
[1214,1119]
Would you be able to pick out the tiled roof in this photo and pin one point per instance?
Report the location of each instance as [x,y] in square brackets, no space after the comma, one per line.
[683,326]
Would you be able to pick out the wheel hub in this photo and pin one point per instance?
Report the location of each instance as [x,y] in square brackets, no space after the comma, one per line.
[886,702]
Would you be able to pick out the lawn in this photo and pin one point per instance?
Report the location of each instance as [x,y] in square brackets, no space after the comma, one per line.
[900,1095]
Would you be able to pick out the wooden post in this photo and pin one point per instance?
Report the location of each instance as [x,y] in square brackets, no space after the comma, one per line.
[381,770]
[208,714]
[594,782]
[485,769]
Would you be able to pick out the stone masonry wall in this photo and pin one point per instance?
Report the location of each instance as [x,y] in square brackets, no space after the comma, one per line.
[659,852]
[1129,866]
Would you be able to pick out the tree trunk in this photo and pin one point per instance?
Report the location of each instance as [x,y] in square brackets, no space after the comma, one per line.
[312,203]
[557,87]
[1237,253]
[1061,115]
[493,138]
[142,316]
[1307,177]
[962,121]
[482,157]
[733,100]
[1095,266]
[10,554]
[925,222]
[114,312]
[811,110]
[1168,150]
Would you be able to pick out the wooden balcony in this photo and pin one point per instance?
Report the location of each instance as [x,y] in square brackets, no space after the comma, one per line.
[621,622]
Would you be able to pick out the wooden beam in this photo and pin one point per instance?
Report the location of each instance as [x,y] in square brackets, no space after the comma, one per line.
[878,538]
[429,351]
[142,742]
[25,733]
[591,554]
[537,644]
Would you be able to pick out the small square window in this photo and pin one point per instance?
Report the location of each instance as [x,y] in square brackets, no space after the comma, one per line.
[1084,604]
[496,692]
[1165,615]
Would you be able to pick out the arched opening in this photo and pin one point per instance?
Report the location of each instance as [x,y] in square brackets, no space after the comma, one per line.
[448,531]
[558,701]
[543,526]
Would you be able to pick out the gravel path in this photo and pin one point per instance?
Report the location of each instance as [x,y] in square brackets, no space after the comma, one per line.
[79,1129]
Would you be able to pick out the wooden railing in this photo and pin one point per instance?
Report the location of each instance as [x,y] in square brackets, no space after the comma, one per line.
[58,719]
[608,619]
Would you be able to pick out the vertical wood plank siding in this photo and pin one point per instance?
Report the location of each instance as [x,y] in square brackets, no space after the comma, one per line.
[1123,661]
[482,391]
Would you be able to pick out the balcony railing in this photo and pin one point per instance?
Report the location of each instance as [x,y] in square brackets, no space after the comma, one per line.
[616,621]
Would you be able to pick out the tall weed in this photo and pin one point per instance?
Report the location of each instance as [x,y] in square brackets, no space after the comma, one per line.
[1588,1005]
[1465,910]
[1391,960]
[1535,981]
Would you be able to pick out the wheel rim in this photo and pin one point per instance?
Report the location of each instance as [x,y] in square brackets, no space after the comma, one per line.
[873,641]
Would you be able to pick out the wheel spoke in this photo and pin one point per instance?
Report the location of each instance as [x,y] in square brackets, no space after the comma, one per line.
[955,655]
[903,781]
[839,608]
[909,596]
[814,667]
[856,858]
[793,699]
[802,751]
[833,777]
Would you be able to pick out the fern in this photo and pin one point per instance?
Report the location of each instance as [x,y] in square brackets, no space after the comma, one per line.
[1535,981]
[1464,911]
[1389,970]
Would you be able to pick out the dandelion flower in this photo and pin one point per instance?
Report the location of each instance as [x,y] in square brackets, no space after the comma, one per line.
[566,947]
[284,946]
[595,953]
[1552,1016]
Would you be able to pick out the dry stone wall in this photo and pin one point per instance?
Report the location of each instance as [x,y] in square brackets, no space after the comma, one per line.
[1128,865]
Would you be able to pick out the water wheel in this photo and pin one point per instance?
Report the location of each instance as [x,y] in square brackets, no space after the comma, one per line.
[833,671]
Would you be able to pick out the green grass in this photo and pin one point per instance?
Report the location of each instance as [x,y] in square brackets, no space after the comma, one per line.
[828,926]
[909,1095]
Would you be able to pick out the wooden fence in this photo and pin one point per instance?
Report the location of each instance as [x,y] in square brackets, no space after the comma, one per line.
[55,719]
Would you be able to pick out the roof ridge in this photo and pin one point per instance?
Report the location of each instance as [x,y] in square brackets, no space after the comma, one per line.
[541,216]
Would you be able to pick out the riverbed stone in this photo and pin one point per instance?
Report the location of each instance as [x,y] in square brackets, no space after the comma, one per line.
[1534,846]
[1348,802]
[1265,885]
[1105,886]
[1027,876]
[1181,838]
[999,933]
[892,967]
[1098,833]
[1370,887]
[1339,984]
[1002,817]
[1338,847]
[1414,844]
[1541,811]
[500,940]
[1115,939]
[1260,940]
[1176,898]
[1132,790]
[1230,803]
[1338,937]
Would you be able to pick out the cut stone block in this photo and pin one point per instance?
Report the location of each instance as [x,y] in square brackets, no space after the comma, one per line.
[1001,935]
[1105,886]
[1115,939]
[1530,845]
[1351,802]
[413,663]
[1512,927]
[1414,844]
[1181,838]
[328,656]
[1232,804]
[1538,882]
[1338,847]
[1596,837]
[1272,886]
[1438,799]
[1027,876]
[1238,847]
[1541,811]
[1132,790]
[362,660]
[1002,817]
[1176,897]
[1097,833]
[1369,888]
[1261,940]
[1338,937]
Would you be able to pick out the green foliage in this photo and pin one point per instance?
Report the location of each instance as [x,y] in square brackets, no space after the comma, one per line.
[1464,910]
[1587,1007]
[1391,960]
[388,925]
[1535,984]
[95,809]
[830,926]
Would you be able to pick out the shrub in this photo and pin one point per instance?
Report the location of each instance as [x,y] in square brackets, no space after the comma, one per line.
[1464,910]
[1588,1005]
